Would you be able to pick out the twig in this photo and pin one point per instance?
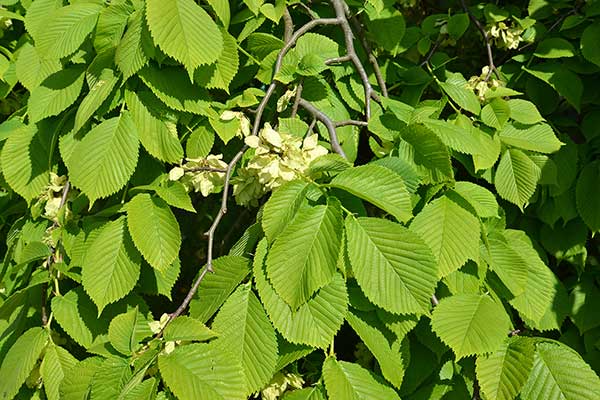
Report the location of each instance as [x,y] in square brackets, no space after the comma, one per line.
[288,25]
[350,122]
[372,59]
[318,114]
[297,98]
[205,169]
[435,46]
[338,60]
[486,38]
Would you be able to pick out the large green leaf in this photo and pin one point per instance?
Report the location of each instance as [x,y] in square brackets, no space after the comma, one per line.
[539,137]
[587,195]
[524,111]
[157,134]
[516,177]
[470,324]
[110,377]
[103,161]
[188,328]
[216,287]
[36,19]
[245,330]
[53,368]
[282,207]
[456,87]
[303,259]
[482,200]
[55,94]
[20,360]
[154,230]
[503,373]
[111,25]
[66,28]
[428,153]
[32,69]
[564,81]
[559,373]
[174,193]
[129,55]
[122,332]
[509,264]
[589,43]
[76,384]
[184,31]
[24,160]
[377,185]
[220,74]
[316,322]
[348,381]
[112,265]
[450,231]
[99,92]
[202,372]
[393,266]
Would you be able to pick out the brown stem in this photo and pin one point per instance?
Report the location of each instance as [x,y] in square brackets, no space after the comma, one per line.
[318,114]
[350,122]
[486,38]
[372,59]
[205,169]
[297,99]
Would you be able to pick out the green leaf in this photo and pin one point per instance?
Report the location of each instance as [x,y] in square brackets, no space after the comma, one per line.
[200,142]
[215,288]
[129,55]
[470,324]
[20,360]
[496,113]
[554,48]
[77,381]
[538,137]
[24,161]
[99,92]
[175,195]
[345,380]
[245,330]
[503,373]
[379,186]
[507,263]
[33,69]
[55,94]
[315,322]
[482,200]
[312,393]
[428,153]
[590,48]
[450,231]
[111,25]
[587,195]
[57,361]
[370,330]
[154,230]
[158,134]
[462,139]
[282,207]
[456,87]
[159,282]
[66,28]
[184,31]
[187,328]
[315,237]
[560,373]
[36,19]
[112,265]
[103,161]
[121,332]
[202,372]
[458,25]
[110,378]
[393,266]
[220,74]
[516,177]
[524,111]
[565,82]
[221,9]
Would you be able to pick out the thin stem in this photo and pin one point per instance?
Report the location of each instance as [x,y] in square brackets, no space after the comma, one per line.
[205,169]
[318,114]
[297,98]
[486,38]
[372,59]
[350,122]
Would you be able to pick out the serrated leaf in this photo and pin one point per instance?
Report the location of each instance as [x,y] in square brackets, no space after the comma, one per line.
[560,373]
[245,330]
[564,81]
[554,48]
[524,111]
[53,368]
[154,230]
[111,25]
[55,94]
[345,380]
[157,134]
[496,113]
[282,207]
[587,195]
[507,263]
[159,282]
[450,231]
[32,69]
[428,153]
[36,19]
[175,195]
[112,265]
[20,360]
[110,377]
[538,137]
[315,322]
[502,374]
[470,324]
[220,74]
[99,92]
[312,393]
[200,142]
[66,29]
[188,328]
[379,186]
[393,266]
[77,381]
[184,31]
[202,372]
[24,160]
[315,237]
[482,200]
[121,332]
[215,288]
[516,177]
[456,87]
[103,161]
[129,55]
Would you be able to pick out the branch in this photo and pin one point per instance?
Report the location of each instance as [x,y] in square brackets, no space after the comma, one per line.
[205,169]
[319,115]
[350,122]
[288,29]
[486,38]
[372,59]
[297,98]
